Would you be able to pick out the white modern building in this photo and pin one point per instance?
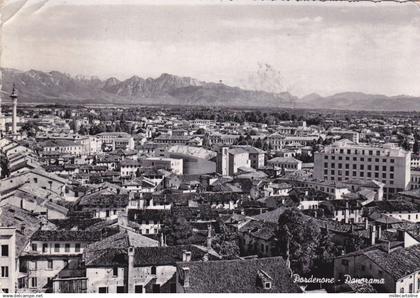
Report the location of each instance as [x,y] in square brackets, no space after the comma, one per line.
[345,160]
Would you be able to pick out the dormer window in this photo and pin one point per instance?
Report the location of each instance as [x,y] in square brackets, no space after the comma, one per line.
[267,285]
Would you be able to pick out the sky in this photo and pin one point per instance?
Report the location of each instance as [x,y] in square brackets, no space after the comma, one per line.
[322,47]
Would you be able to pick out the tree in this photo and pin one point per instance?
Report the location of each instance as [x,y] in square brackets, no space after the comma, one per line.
[83,130]
[416,147]
[225,243]
[177,230]
[258,143]
[200,131]
[304,239]
[30,128]
[405,145]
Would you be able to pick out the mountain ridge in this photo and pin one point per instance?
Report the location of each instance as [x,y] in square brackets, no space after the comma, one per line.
[56,87]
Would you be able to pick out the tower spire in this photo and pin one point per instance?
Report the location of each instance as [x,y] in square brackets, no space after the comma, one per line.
[14,97]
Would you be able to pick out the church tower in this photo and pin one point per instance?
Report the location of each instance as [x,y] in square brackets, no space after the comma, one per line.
[13,97]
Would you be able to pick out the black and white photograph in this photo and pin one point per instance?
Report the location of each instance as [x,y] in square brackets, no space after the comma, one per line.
[209,146]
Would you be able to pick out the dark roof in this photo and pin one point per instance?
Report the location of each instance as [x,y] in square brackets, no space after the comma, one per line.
[394,206]
[65,235]
[104,200]
[166,255]
[148,214]
[271,216]
[239,276]
[342,204]
[259,229]
[398,263]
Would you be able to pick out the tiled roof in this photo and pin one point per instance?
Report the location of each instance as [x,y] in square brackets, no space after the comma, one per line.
[394,206]
[65,235]
[104,200]
[398,263]
[166,255]
[113,250]
[259,229]
[25,223]
[270,216]
[239,276]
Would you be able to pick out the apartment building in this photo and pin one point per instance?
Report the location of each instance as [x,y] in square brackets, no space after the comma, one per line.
[345,160]
[230,160]
[7,260]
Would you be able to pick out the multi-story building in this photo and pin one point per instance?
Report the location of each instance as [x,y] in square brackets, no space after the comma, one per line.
[346,134]
[174,165]
[8,277]
[230,160]
[116,140]
[256,156]
[345,160]
[286,163]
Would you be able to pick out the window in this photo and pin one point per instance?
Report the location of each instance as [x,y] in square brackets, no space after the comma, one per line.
[103,290]
[44,247]
[35,180]
[107,213]
[115,271]
[57,247]
[267,285]
[67,247]
[50,264]
[5,250]
[410,288]
[4,271]
[363,268]
[156,288]
[120,289]
[34,247]
[402,290]
[5,291]
[345,262]
[34,282]
[153,270]
[138,289]
[77,247]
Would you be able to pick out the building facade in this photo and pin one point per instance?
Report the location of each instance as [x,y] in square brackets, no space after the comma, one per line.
[346,160]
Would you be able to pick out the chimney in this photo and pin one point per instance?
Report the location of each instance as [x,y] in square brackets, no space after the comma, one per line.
[186,256]
[379,234]
[372,235]
[186,273]
[130,269]
[162,240]
[209,237]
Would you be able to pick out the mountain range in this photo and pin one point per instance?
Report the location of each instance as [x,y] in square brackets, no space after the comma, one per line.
[56,87]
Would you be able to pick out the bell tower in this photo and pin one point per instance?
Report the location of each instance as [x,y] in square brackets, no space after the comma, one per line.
[13,97]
